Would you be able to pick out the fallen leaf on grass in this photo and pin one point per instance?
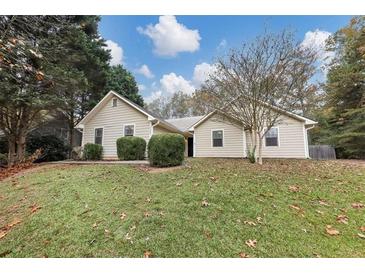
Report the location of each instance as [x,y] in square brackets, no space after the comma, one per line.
[147,254]
[3,234]
[332,231]
[123,215]
[249,223]
[34,208]
[362,236]
[13,223]
[342,219]
[208,234]
[295,207]
[362,228]
[251,243]
[244,255]
[146,214]
[205,203]
[294,188]
[357,205]
[5,229]
[324,203]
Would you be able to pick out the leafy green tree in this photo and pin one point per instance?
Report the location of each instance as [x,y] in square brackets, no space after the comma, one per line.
[345,91]
[27,76]
[122,81]
[82,60]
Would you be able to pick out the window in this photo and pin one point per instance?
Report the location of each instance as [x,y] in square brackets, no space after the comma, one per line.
[115,102]
[271,137]
[217,136]
[98,136]
[128,130]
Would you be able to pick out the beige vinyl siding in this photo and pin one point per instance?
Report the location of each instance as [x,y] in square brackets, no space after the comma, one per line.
[158,130]
[291,140]
[233,139]
[112,120]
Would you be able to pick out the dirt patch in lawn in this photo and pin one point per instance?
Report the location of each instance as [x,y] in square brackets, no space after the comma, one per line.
[13,172]
[155,170]
[356,163]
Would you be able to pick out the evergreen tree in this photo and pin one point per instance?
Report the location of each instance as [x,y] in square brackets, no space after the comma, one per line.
[122,81]
[345,91]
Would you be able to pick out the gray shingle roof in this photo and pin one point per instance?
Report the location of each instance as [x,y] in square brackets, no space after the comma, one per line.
[184,124]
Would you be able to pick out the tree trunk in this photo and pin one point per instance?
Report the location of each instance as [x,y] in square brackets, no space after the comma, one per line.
[255,144]
[11,151]
[260,150]
[20,150]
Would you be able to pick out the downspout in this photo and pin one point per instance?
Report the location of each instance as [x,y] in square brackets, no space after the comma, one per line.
[306,138]
[158,122]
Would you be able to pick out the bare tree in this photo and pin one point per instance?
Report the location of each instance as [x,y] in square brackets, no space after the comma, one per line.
[254,84]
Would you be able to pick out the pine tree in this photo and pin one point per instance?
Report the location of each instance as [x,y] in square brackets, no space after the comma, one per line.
[345,91]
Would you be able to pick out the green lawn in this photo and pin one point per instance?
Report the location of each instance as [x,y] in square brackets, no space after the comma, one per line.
[208,209]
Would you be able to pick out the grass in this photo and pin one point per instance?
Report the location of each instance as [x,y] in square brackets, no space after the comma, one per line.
[82,209]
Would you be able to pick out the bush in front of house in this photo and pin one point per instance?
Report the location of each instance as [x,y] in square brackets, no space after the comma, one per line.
[131,148]
[3,159]
[166,150]
[52,148]
[92,152]
[3,145]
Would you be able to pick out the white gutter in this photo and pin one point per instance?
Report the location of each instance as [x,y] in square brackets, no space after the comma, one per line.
[306,139]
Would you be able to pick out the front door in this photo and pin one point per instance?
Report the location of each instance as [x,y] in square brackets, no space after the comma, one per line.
[190,147]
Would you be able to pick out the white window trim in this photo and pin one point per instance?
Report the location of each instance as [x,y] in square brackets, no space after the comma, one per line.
[211,138]
[102,137]
[113,102]
[278,138]
[134,128]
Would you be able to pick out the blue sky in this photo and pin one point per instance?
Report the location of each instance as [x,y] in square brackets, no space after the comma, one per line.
[168,53]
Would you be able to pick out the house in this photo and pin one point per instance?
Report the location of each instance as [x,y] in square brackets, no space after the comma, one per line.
[206,136]
[56,124]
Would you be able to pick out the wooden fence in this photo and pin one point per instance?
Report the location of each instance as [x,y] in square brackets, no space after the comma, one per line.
[322,152]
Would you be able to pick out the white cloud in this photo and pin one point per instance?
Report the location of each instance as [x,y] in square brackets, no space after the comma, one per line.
[145,71]
[171,83]
[141,87]
[202,72]
[222,45]
[170,37]
[116,52]
[316,40]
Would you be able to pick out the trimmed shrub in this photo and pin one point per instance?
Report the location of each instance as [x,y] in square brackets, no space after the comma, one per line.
[166,150]
[131,148]
[92,152]
[3,145]
[53,148]
[3,159]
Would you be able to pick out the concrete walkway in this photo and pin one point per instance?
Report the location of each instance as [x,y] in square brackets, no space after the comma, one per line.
[106,162]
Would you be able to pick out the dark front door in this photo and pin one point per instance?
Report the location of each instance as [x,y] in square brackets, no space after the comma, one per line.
[190,147]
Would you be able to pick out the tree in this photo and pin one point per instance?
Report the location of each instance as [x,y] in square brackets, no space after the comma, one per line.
[122,81]
[179,105]
[254,84]
[344,111]
[160,107]
[27,76]
[83,65]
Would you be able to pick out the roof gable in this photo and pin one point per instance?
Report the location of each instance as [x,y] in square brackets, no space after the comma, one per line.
[102,103]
